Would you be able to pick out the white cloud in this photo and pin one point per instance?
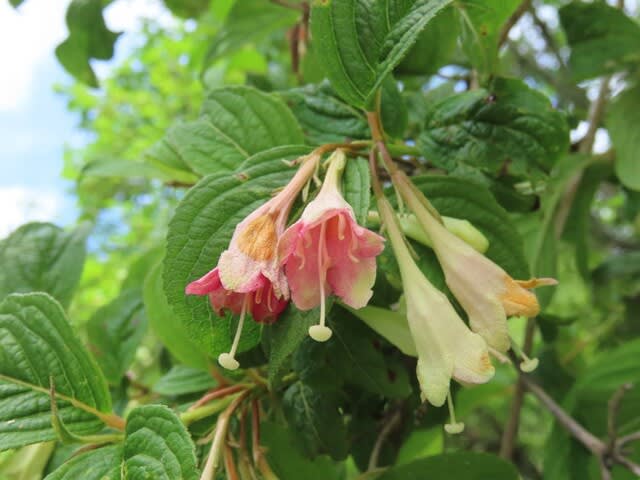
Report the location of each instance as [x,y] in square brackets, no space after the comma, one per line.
[27,36]
[20,205]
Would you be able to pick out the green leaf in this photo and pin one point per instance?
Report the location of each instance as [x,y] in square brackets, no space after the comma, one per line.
[325,118]
[37,348]
[163,157]
[459,465]
[118,168]
[314,417]
[356,187]
[395,115]
[166,326]
[42,257]
[420,444]
[236,122]
[360,43]
[482,22]
[89,38]
[187,8]
[623,123]
[602,39]
[284,336]
[200,231]
[249,21]
[27,463]
[511,126]
[16,3]
[288,461]
[115,332]
[459,198]
[434,47]
[100,464]
[181,380]
[157,446]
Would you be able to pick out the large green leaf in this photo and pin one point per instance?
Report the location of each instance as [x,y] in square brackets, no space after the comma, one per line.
[166,326]
[42,257]
[325,118]
[115,332]
[459,465]
[89,38]
[37,349]
[236,122]
[314,417]
[623,123]
[509,126]
[482,22]
[157,446]
[602,39]
[200,231]
[100,464]
[359,43]
[249,21]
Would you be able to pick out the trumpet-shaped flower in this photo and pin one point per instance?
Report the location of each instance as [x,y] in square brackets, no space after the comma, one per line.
[485,291]
[446,347]
[248,277]
[326,252]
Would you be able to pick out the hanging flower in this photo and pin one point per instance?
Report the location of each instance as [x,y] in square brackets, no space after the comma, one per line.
[445,346]
[248,277]
[486,292]
[327,252]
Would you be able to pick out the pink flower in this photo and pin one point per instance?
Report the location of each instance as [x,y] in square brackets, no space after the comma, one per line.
[248,277]
[326,252]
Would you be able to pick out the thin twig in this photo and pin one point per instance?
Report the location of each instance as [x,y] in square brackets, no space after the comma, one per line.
[285,4]
[513,19]
[632,437]
[388,427]
[591,442]
[612,414]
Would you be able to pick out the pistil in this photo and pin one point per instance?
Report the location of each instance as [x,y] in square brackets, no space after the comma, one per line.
[228,360]
[321,333]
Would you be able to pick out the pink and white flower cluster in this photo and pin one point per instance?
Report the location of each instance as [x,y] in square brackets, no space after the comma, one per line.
[267,264]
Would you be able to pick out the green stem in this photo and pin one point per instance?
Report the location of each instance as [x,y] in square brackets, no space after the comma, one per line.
[207,410]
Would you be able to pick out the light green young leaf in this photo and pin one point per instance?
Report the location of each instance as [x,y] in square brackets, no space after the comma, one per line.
[37,348]
[235,123]
[602,39]
[42,257]
[359,43]
[623,123]
[115,332]
[157,446]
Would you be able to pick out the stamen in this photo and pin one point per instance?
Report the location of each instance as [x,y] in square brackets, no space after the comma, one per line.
[353,245]
[228,360]
[321,333]
[307,239]
[527,364]
[342,224]
[498,355]
[454,427]
[258,296]
[299,252]
[269,295]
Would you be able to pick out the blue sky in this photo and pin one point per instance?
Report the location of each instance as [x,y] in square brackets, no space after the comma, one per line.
[34,122]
